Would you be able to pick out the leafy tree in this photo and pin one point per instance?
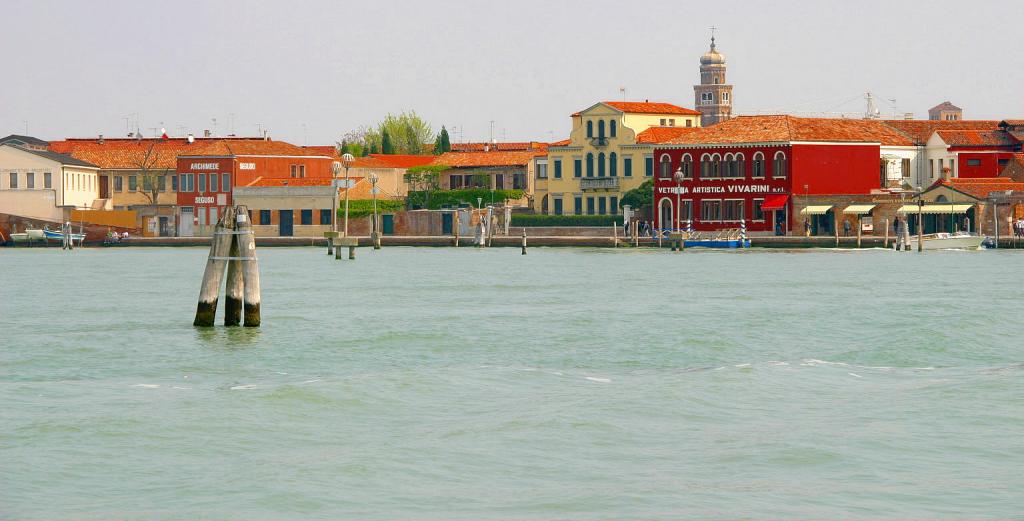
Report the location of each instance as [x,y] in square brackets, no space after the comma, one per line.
[386,147]
[640,196]
[152,177]
[406,133]
[423,180]
[437,146]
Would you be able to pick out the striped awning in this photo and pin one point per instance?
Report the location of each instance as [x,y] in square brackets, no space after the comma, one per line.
[816,210]
[859,209]
[936,208]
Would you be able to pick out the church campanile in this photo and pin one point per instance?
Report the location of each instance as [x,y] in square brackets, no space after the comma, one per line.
[713,97]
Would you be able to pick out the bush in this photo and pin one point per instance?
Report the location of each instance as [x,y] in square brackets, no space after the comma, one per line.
[566,220]
[453,198]
[364,207]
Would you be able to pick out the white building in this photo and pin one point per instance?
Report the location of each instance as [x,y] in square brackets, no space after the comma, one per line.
[43,185]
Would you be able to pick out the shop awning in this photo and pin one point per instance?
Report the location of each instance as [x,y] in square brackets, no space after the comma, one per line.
[936,208]
[774,202]
[859,209]
[821,209]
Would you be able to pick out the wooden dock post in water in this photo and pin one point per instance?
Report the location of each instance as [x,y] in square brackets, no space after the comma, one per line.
[209,292]
[250,266]
[456,228]
[886,243]
[234,289]
[524,240]
[615,236]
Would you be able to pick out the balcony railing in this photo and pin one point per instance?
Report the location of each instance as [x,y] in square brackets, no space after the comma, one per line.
[599,183]
[599,141]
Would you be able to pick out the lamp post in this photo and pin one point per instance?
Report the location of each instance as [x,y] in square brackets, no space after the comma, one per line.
[335,170]
[346,161]
[375,233]
[920,223]
[679,176]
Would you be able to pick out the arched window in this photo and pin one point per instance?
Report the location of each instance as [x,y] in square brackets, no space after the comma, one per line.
[590,164]
[613,161]
[780,168]
[728,166]
[741,167]
[665,167]
[600,129]
[687,165]
[705,166]
[600,157]
[758,165]
[716,166]
[611,128]
[590,129]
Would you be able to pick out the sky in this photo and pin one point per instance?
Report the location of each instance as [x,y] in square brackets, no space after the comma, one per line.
[310,71]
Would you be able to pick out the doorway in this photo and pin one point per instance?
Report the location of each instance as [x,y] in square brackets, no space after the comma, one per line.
[165,227]
[186,221]
[286,220]
[388,224]
[446,224]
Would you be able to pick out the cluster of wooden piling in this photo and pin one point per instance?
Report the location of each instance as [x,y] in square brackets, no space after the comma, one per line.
[233,248]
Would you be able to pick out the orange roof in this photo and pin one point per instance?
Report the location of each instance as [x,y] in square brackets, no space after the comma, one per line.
[977,137]
[1014,122]
[478,159]
[783,129]
[124,154]
[404,160]
[501,146]
[919,130]
[980,187]
[662,134]
[562,143]
[323,150]
[249,147]
[294,181]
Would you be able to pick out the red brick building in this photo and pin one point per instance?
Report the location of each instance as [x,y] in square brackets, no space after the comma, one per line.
[750,169]
[208,174]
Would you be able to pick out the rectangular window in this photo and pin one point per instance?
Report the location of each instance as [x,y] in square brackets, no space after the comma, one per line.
[686,214]
[47,180]
[225,182]
[711,210]
[558,169]
[325,216]
[732,210]
[201,212]
[14,180]
[931,168]
[906,168]
[577,168]
[602,206]
[179,185]
[306,217]
[590,206]
[30,180]
[147,184]
[627,166]
[201,181]
[973,162]
[689,123]
[672,122]
[213,215]
[577,206]
[758,212]
[662,122]
[133,183]
[613,205]
[213,182]
[293,169]
[558,205]
[264,217]
[542,170]
[649,166]
[118,183]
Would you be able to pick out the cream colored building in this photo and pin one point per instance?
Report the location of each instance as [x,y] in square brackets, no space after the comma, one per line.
[45,185]
[609,152]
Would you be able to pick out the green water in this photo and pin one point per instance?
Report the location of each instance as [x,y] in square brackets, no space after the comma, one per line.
[423,384]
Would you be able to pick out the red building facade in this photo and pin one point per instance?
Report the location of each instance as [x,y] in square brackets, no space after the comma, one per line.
[750,168]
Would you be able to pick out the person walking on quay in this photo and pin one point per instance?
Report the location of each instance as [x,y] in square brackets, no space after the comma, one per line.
[807,227]
[847,227]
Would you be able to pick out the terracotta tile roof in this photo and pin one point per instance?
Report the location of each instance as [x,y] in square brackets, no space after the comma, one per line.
[782,128]
[404,160]
[662,134]
[562,143]
[127,154]
[920,130]
[500,146]
[645,107]
[1013,122]
[248,147]
[323,150]
[292,181]
[977,137]
[980,187]
[479,159]
[945,105]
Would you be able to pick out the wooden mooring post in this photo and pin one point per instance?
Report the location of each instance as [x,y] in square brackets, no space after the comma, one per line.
[524,241]
[233,247]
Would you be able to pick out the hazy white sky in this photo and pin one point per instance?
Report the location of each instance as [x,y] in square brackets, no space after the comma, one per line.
[311,70]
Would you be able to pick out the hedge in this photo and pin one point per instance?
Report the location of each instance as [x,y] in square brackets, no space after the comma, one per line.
[453,198]
[566,220]
[364,207]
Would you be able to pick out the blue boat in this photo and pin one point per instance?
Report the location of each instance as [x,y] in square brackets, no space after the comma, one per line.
[77,238]
[716,243]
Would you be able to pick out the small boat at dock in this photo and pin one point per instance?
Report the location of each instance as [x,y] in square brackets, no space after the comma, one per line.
[948,241]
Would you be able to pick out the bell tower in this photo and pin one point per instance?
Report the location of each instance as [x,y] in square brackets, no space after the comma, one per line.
[713,97]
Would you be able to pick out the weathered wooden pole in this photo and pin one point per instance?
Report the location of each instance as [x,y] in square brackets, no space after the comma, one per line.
[636,234]
[835,219]
[886,243]
[209,291]
[615,235]
[920,226]
[858,231]
[337,248]
[376,230]
[351,252]
[234,290]
[250,267]
[524,240]
[456,228]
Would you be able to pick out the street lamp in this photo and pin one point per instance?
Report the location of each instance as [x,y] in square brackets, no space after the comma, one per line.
[335,170]
[346,161]
[373,183]
[679,176]
[920,223]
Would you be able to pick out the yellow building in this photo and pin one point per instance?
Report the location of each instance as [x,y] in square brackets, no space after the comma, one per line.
[609,152]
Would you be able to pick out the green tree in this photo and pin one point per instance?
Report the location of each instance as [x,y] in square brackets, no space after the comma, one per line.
[446,144]
[386,147]
[640,196]
[437,146]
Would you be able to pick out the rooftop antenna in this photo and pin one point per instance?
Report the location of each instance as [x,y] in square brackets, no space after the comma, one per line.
[492,131]
[259,129]
[871,112]
[214,120]
[622,90]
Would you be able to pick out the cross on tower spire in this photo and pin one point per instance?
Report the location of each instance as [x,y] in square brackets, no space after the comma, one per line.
[713,37]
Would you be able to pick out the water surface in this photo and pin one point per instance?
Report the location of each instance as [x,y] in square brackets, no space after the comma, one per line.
[430,383]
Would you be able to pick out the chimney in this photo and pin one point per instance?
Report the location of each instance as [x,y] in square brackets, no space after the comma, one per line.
[206,133]
[100,140]
[191,138]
